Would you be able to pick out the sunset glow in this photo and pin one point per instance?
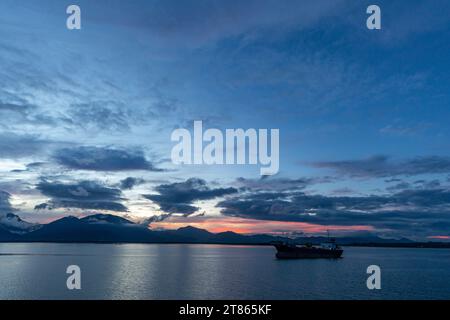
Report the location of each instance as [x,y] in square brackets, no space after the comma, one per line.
[252,226]
[440,237]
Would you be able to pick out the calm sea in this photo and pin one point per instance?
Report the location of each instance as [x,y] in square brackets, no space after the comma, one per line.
[152,271]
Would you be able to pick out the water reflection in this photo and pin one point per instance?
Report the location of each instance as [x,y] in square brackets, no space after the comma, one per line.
[177,271]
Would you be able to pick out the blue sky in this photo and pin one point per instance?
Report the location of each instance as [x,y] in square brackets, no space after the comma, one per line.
[362,114]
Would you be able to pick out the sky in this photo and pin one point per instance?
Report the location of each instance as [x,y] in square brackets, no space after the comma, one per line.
[86,115]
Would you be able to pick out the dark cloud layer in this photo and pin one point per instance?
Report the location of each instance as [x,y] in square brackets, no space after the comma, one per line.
[382,166]
[130,182]
[419,210]
[15,146]
[5,205]
[178,197]
[24,113]
[278,184]
[103,159]
[81,195]
[101,115]
[169,22]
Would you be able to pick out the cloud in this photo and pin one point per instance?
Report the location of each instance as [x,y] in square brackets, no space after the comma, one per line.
[101,115]
[382,166]
[399,186]
[409,211]
[5,205]
[14,146]
[178,197]
[155,218]
[81,195]
[23,113]
[277,184]
[404,130]
[14,108]
[196,23]
[103,159]
[130,182]
[115,115]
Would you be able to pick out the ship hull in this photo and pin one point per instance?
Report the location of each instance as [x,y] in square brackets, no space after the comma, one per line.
[307,253]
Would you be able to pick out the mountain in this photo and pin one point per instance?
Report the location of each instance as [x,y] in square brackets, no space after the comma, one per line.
[14,224]
[97,228]
[190,234]
[195,235]
[236,238]
[353,240]
[103,228]
[110,228]
[5,235]
[106,218]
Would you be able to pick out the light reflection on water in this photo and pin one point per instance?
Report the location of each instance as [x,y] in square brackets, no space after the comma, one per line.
[179,271]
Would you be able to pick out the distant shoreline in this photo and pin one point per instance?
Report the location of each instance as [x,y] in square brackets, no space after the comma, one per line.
[420,245]
[424,245]
[108,229]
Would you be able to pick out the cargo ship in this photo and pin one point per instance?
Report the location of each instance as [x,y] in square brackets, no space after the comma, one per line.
[327,250]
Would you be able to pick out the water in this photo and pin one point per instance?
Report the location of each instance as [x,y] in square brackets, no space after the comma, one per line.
[153,271]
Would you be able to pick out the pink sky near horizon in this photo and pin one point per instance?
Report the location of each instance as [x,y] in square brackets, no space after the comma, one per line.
[218,224]
[252,226]
[439,237]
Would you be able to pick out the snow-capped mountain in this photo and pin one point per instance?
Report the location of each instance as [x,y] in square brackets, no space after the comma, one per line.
[104,228]
[106,218]
[14,224]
